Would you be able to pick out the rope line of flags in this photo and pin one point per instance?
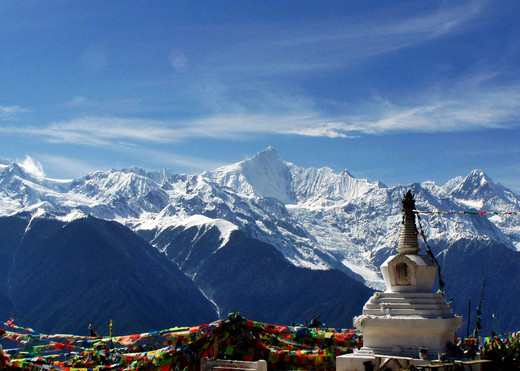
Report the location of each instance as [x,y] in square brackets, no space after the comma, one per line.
[443,212]
[283,347]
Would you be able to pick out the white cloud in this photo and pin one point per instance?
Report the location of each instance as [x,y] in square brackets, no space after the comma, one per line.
[481,101]
[468,105]
[244,125]
[329,130]
[67,166]
[108,131]
[10,112]
[74,168]
[473,110]
[77,100]
[32,167]
[102,131]
[170,159]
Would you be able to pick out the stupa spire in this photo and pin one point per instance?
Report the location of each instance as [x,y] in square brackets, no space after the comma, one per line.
[408,244]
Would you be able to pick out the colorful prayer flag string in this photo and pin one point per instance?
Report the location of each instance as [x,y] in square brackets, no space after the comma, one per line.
[284,347]
[442,212]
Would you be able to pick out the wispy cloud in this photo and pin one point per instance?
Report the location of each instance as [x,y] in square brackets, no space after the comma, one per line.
[11,112]
[293,47]
[329,130]
[464,105]
[108,131]
[171,159]
[100,131]
[73,168]
[67,166]
[77,101]
[467,107]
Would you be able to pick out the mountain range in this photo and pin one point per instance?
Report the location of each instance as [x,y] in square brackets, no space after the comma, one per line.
[274,241]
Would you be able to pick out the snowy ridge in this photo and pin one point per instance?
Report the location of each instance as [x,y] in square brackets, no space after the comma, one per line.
[316,218]
[199,221]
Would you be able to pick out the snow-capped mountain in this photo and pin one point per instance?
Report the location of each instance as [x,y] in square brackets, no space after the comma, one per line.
[315,218]
[358,222]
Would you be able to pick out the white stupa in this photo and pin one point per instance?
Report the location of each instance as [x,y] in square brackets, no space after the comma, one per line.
[408,317]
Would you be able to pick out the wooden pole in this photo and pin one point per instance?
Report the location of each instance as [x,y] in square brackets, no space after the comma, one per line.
[469,315]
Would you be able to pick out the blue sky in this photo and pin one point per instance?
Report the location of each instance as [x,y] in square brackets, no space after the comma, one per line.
[396,91]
